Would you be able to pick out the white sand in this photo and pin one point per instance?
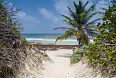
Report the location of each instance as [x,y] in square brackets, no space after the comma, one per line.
[61,67]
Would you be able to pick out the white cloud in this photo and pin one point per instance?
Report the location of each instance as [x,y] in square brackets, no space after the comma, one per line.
[27,20]
[48,15]
[101,4]
[23,16]
[61,5]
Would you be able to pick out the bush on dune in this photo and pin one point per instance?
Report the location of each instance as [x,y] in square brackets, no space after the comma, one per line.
[14,51]
[78,54]
[102,52]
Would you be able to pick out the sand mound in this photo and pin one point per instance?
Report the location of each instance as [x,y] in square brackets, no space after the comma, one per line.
[33,64]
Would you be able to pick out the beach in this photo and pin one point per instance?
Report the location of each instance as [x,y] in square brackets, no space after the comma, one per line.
[60,66]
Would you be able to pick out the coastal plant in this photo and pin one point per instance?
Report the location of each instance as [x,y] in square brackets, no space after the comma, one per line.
[103,51]
[6,52]
[7,17]
[78,54]
[80,22]
[45,53]
[12,52]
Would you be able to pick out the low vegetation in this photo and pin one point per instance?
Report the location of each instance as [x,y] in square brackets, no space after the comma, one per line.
[103,50]
[78,54]
[15,52]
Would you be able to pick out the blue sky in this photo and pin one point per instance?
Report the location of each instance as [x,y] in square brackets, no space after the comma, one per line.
[42,16]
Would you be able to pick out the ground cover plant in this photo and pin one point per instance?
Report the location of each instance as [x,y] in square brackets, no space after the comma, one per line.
[78,54]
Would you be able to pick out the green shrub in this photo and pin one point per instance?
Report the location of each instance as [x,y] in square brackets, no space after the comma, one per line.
[78,54]
[103,50]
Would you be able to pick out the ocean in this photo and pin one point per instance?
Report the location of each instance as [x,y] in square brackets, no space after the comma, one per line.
[49,39]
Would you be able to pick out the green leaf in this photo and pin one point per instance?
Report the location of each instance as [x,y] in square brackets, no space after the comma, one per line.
[62,28]
[89,61]
[66,35]
[9,17]
[6,52]
[113,67]
[4,46]
[93,60]
[79,32]
[112,33]
[108,56]
[1,44]
[108,13]
[92,26]
[22,38]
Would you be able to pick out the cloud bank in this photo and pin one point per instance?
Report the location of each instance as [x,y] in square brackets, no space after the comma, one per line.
[24,17]
[48,15]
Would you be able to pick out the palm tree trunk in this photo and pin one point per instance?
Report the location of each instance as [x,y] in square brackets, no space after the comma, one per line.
[79,42]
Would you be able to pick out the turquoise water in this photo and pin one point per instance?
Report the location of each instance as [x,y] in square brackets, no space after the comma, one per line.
[48,39]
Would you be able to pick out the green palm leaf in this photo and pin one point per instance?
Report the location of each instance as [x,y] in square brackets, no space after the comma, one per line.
[91,8]
[90,16]
[85,5]
[78,33]
[71,23]
[62,28]
[72,14]
[67,17]
[92,26]
[92,22]
[66,35]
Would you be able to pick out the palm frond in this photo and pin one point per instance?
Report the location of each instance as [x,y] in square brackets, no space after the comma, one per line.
[62,28]
[72,14]
[91,8]
[103,8]
[66,35]
[67,17]
[92,22]
[85,5]
[79,32]
[92,26]
[71,23]
[82,17]
[93,30]
[76,6]
[92,33]
[89,17]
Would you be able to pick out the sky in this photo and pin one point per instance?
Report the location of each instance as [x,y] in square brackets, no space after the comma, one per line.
[42,16]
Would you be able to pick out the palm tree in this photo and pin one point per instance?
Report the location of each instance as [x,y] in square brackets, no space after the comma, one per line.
[81,27]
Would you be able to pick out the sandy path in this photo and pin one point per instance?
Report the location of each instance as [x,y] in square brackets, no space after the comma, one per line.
[60,68]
